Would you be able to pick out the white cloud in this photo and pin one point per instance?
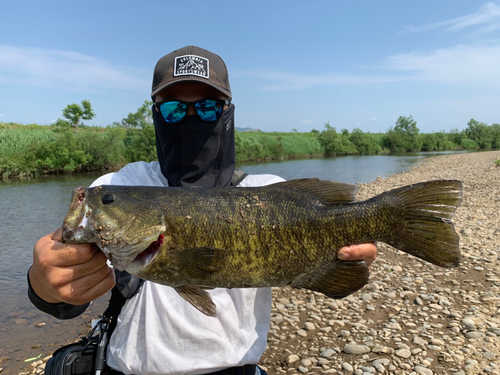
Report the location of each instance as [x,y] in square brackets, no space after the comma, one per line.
[289,81]
[306,122]
[486,16]
[65,69]
[373,118]
[461,65]
[2,115]
[458,65]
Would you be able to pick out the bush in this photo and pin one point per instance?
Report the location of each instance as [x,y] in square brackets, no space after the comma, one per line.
[336,144]
[365,143]
[468,144]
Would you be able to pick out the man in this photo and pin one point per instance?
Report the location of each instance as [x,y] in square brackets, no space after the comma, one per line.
[158,332]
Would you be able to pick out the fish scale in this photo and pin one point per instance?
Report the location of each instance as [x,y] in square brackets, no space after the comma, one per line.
[278,235]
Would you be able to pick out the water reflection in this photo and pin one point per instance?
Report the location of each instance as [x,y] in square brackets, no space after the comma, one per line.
[350,169]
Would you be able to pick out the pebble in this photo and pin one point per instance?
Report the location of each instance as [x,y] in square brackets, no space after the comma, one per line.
[356,349]
[347,367]
[475,335]
[308,326]
[327,353]
[403,353]
[423,370]
[302,333]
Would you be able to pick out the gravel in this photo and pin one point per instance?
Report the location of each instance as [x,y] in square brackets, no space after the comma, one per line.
[413,317]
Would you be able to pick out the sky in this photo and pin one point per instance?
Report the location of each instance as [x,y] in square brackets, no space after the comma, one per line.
[293,65]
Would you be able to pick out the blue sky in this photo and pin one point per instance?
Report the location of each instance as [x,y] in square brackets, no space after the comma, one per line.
[292,64]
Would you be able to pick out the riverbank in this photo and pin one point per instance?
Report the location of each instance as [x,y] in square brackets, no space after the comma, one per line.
[413,317]
[33,150]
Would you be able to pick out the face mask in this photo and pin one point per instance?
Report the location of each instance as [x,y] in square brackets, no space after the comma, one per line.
[196,153]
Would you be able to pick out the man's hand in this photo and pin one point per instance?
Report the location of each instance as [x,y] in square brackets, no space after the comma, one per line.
[71,273]
[365,251]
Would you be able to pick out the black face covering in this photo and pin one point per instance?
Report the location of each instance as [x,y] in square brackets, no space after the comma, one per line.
[196,153]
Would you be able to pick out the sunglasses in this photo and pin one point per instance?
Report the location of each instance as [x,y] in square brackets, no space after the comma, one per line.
[174,111]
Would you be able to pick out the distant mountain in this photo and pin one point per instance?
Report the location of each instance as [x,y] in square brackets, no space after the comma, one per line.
[247,130]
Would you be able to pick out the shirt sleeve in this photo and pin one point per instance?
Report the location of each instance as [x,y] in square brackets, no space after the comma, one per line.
[60,310]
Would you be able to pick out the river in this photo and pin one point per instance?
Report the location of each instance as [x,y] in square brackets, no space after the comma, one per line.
[32,208]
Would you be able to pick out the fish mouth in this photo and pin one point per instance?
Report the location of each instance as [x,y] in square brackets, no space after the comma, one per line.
[146,256]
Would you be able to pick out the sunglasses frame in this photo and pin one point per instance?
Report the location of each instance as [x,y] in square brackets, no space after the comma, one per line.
[222,102]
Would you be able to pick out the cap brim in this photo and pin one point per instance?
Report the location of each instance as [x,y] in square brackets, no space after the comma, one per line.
[189,79]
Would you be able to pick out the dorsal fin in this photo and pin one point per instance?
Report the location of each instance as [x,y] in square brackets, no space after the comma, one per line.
[329,191]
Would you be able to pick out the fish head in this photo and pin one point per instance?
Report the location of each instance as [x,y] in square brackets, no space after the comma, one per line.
[117,220]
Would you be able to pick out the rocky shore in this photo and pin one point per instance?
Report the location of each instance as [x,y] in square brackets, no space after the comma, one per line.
[413,317]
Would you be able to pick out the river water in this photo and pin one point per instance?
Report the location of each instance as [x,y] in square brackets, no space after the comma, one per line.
[32,208]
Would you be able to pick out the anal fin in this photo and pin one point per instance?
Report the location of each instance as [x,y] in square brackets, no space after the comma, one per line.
[338,279]
[199,298]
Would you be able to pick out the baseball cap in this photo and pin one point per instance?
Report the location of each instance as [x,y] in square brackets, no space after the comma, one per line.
[191,64]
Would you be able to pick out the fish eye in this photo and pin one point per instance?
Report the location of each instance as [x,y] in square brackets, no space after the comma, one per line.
[108,198]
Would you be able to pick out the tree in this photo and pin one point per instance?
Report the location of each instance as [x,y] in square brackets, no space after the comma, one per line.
[404,136]
[142,118]
[365,144]
[495,132]
[480,133]
[334,143]
[140,143]
[74,113]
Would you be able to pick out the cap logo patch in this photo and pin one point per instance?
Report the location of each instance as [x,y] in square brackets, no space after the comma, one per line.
[191,65]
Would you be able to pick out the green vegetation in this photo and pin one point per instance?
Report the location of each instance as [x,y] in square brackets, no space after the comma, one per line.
[258,146]
[69,146]
[404,136]
[74,113]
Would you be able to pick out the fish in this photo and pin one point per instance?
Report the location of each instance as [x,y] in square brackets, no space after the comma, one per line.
[286,234]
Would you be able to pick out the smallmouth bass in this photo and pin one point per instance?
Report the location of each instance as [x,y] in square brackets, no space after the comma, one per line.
[285,234]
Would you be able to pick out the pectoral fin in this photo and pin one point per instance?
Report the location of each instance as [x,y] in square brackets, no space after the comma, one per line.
[201,261]
[339,279]
[199,298]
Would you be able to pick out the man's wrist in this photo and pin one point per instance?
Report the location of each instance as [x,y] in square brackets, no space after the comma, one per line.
[59,310]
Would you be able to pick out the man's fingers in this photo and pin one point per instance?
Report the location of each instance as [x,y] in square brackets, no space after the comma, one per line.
[56,235]
[88,287]
[52,252]
[366,252]
[67,274]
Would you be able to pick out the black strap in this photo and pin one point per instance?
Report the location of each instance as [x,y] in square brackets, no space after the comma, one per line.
[107,325]
[116,302]
[238,176]
[240,370]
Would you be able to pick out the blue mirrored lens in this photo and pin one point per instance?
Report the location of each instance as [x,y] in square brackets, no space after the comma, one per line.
[173,112]
[208,110]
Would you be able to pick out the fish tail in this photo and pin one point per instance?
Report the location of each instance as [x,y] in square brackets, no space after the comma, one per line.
[426,230]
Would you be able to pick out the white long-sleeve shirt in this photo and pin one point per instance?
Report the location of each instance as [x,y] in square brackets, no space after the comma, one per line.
[158,332]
